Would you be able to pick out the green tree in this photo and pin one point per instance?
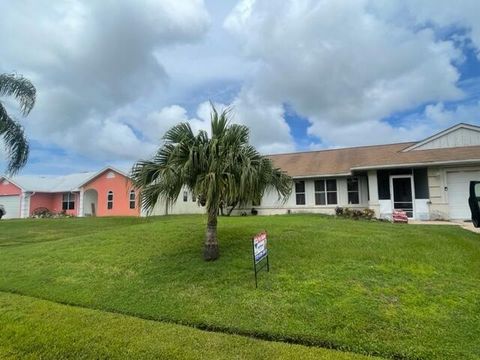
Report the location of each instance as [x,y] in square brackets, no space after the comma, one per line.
[223,168]
[12,132]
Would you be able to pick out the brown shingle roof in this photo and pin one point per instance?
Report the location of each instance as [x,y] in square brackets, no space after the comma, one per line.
[342,161]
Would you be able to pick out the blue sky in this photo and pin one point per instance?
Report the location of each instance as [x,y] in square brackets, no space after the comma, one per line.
[112,77]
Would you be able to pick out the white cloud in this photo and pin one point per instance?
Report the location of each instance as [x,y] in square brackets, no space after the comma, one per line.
[113,76]
[91,59]
[346,66]
[268,129]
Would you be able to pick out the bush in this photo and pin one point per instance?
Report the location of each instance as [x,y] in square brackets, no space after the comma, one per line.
[44,213]
[354,214]
[368,214]
[254,211]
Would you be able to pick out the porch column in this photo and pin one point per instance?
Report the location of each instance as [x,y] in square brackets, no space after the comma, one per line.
[80,204]
[373,192]
[24,205]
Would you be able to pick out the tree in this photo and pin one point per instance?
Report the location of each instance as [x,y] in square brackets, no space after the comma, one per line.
[223,168]
[12,132]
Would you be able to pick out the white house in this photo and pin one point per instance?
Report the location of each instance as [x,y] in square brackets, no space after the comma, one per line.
[429,179]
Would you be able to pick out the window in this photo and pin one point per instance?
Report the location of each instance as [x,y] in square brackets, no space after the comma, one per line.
[353,191]
[132,199]
[300,192]
[68,201]
[110,200]
[326,192]
[185,196]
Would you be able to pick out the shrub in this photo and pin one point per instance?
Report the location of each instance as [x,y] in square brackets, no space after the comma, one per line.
[368,214]
[254,211]
[42,212]
[354,214]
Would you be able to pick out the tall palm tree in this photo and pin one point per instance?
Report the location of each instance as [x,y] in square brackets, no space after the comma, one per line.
[223,168]
[12,132]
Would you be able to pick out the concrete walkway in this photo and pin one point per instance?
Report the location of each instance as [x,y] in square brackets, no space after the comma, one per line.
[466,225]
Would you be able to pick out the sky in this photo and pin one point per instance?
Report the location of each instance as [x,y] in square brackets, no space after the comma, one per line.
[112,76]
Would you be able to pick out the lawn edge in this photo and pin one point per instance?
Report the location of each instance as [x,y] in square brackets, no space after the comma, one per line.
[210,328]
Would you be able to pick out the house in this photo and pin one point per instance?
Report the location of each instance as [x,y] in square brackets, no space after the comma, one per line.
[108,192]
[429,179]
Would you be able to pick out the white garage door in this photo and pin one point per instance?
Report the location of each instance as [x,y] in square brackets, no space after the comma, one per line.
[458,191]
[12,206]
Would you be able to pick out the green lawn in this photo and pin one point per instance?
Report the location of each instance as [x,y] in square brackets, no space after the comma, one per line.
[398,291]
[32,328]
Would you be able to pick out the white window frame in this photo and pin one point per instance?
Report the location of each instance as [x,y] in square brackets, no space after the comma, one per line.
[358,190]
[300,193]
[110,207]
[134,201]
[70,199]
[326,191]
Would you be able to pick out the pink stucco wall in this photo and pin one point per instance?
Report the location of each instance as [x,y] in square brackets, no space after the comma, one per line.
[53,202]
[9,189]
[38,200]
[121,186]
[57,203]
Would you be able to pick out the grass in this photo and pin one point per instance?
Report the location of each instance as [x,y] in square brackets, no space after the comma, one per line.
[32,329]
[397,291]
[16,232]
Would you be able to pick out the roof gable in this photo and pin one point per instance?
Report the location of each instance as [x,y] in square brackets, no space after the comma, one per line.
[51,184]
[101,172]
[460,135]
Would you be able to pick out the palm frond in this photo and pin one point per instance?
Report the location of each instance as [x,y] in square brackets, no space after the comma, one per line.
[222,169]
[21,89]
[15,141]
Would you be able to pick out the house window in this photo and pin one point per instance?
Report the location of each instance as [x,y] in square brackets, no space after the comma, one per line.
[353,191]
[300,192]
[132,199]
[110,200]
[326,192]
[68,201]
[185,196]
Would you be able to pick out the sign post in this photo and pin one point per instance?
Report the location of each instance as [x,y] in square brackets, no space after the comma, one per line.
[260,254]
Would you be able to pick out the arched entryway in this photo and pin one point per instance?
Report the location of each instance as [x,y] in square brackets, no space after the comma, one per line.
[90,202]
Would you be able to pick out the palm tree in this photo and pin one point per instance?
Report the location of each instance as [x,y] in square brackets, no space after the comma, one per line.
[223,168]
[12,132]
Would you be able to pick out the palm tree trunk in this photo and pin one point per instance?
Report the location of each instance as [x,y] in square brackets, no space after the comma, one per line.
[231,209]
[211,250]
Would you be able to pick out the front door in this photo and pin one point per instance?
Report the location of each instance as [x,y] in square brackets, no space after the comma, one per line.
[402,194]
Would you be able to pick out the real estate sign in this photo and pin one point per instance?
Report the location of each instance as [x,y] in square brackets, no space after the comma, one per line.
[260,252]
[260,246]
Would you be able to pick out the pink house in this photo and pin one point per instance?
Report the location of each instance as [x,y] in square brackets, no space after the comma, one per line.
[108,192]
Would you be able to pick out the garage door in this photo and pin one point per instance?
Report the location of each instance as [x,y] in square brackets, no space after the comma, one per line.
[11,203]
[458,192]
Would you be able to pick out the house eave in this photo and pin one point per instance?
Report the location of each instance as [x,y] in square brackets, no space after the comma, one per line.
[417,164]
[321,176]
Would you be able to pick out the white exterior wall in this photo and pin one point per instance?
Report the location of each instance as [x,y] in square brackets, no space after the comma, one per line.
[25,204]
[439,192]
[436,189]
[374,202]
[271,205]
[458,138]
[180,207]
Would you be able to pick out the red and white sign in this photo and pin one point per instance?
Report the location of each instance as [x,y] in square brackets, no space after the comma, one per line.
[260,246]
